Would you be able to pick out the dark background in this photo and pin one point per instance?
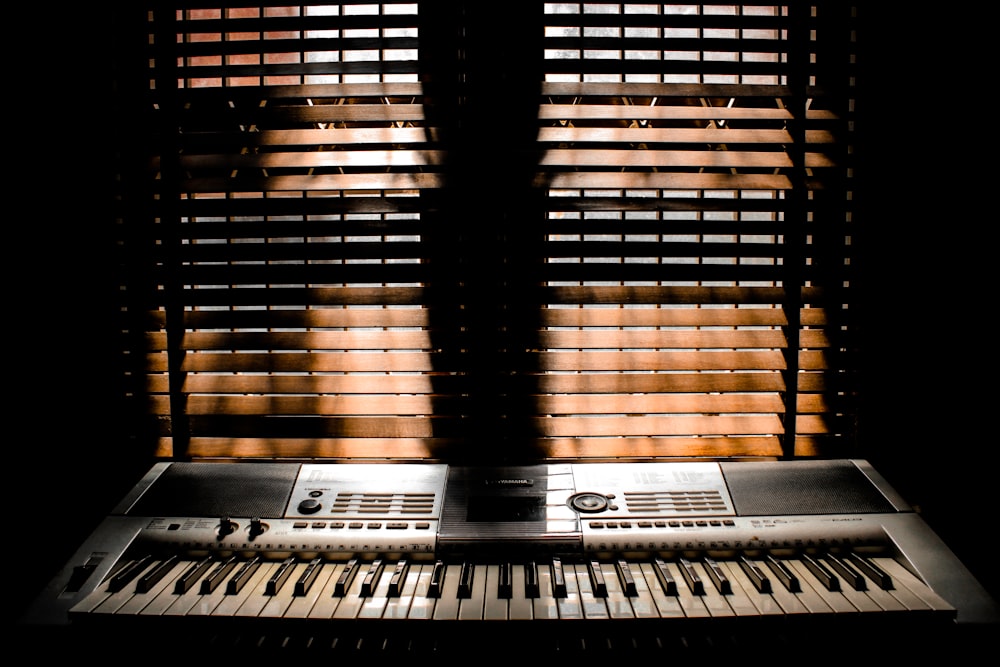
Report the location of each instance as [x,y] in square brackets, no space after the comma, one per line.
[928,422]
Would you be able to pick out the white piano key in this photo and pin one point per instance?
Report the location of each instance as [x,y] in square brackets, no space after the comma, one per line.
[302,605]
[738,597]
[835,601]
[788,601]
[166,597]
[326,603]
[904,577]
[667,606]
[764,603]
[398,606]
[495,608]
[373,606]
[471,608]
[205,603]
[446,606]
[593,606]
[251,598]
[519,606]
[279,602]
[350,603]
[569,605]
[619,605]
[140,601]
[422,605]
[693,605]
[545,606]
[116,600]
[713,600]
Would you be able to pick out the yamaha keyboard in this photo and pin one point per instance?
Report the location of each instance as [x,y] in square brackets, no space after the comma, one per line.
[393,558]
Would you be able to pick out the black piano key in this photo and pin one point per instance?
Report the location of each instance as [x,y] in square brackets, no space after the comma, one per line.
[437,580]
[626,578]
[192,575]
[558,578]
[242,576]
[756,575]
[398,578]
[531,589]
[718,577]
[505,582]
[346,577]
[280,576]
[151,578]
[784,574]
[217,575]
[597,583]
[308,577]
[690,575]
[821,572]
[465,580]
[667,581]
[372,576]
[852,578]
[122,578]
[871,570]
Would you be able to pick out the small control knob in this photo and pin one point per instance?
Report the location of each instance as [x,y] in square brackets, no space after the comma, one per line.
[226,527]
[257,527]
[309,506]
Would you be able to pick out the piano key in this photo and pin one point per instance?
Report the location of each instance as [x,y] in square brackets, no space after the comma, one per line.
[847,572]
[667,604]
[715,602]
[521,602]
[596,577]
[559,587]
[124,576]
[531,587]
[218,574]
[148,580]
[870,570]
[399,604]
[471,605]
[236,583]
[140,601]
[193,574]
[716,575]
[751,587]
[692,604]
[755,575]
[643,604]
[568,603]
[545,604]
[903,577]
[350,602]
[783,573]
[278,602]
[328,600]
[618,604]
[251,598]
[437,580]
[121,593]
[308,577]
[495,607]
[505,582]
[446,607]
[593,605]
[346,577]
[280,576]
[626,577]
[787,600]
[812,593]
[465,579]
[691,576]
[822,573]
[398,578]
[372,576]
[422,604]
[374,603]
[740,590]
[664,577]
[314,582]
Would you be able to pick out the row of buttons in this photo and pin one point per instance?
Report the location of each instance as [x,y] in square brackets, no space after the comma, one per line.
[358,525]
[687,523]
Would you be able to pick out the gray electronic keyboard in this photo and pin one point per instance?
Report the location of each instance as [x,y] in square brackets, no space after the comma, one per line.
[547,557]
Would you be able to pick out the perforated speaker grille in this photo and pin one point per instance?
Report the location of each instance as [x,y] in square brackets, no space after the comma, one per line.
[224,489]
[802,487]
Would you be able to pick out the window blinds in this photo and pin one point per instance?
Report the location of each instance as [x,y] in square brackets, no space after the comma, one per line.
[475,232]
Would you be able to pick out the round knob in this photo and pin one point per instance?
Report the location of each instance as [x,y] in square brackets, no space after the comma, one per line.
[588,502]
[309,506]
